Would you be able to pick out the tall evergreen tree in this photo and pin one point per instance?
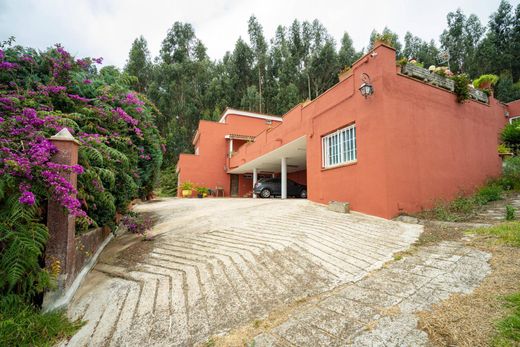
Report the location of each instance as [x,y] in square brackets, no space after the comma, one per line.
[259,47]
[139,63]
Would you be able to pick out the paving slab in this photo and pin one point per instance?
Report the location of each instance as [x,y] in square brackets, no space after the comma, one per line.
[379,310]
[218,264]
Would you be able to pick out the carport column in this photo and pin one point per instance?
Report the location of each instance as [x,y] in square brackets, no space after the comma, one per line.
[230,148]
[255,178]
[284,178]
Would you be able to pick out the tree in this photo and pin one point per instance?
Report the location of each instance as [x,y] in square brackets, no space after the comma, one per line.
[416,48]
[461,40]
[259,46]
[347,54]
[139,64]
[392,37]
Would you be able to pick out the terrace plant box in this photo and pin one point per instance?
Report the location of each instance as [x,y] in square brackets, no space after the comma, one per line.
[427,76]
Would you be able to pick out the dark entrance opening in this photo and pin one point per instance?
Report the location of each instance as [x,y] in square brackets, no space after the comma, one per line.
[234,185]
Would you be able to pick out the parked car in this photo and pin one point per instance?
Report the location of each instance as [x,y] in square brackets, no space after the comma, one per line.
[268,187]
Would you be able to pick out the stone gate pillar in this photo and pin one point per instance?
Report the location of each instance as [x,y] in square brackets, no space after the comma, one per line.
[61,244]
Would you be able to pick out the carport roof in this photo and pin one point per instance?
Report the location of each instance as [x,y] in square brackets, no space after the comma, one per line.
[295,152]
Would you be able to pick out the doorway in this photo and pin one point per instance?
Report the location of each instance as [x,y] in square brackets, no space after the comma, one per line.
[234,185]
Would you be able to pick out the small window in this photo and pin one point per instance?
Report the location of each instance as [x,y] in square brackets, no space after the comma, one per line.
[514,120]
[339,147]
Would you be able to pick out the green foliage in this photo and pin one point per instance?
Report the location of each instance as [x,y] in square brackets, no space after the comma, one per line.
[484,79]
[505,89]
[510,135]
[22,241]
[510,212]
[462,82]
[168,183]
[488,193]
[24,325]
[512,172]
[202,190]
[508,328]
[187,185]
[507,233]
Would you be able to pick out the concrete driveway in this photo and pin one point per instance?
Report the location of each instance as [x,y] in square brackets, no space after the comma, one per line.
[217,264]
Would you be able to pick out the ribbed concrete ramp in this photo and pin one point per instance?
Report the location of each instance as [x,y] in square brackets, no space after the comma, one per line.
[217,264]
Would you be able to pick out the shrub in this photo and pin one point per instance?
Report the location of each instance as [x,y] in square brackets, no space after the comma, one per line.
[488,193]
[137,224]
[510,212]
[119,158]
[461,87]
[511,173]
[168,183]
[510,135]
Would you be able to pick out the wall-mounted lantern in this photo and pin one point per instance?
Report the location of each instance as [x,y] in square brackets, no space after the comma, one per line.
[366,88]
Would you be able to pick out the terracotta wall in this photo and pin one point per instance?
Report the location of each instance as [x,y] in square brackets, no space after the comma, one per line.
[208,168]
[298,176]
[415,143]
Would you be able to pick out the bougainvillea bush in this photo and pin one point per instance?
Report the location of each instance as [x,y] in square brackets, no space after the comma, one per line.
[119,156]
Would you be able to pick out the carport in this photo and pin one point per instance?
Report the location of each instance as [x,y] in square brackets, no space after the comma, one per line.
[288,158]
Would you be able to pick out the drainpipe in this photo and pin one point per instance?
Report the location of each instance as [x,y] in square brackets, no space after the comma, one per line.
[284,178]
[255,179]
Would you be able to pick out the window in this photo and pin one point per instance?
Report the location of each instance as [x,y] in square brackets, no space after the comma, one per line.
[514,120]
[339,147]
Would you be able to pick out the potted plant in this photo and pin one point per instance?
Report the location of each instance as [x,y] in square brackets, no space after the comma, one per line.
[504,152]
[486,82]
[202,192]
[385,38]
[186,188]
[344,73]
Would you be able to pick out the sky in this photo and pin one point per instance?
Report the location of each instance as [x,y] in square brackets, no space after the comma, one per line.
[107,28]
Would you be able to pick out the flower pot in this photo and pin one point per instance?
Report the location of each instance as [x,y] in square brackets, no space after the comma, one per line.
[204,195]
[186,193]
[504,156]
[485,85]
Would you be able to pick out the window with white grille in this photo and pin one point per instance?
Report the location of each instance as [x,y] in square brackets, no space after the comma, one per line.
[339,147]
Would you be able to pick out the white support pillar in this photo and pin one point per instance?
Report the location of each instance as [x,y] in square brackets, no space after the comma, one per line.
[284,178]
[230,148]
[255,179]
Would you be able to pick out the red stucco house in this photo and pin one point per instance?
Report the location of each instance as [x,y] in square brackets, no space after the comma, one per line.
[397,150]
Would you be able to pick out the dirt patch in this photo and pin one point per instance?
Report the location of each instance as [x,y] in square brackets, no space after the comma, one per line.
[243,336]
[468,320]
[434,233]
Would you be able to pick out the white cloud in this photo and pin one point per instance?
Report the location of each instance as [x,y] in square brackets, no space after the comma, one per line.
[107,28]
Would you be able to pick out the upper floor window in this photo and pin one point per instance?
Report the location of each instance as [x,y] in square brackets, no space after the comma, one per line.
[339,147]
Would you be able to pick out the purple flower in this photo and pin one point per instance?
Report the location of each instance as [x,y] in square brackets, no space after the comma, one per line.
[5,65]
[55,89]
[2,54]
[121,114]
[87,81]
[78,98]
[98,60]
[27,197]
[131,99]
[27,58]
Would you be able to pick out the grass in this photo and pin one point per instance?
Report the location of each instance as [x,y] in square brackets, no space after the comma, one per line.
[464,207]
[508,328]
[507,233]
[24,325]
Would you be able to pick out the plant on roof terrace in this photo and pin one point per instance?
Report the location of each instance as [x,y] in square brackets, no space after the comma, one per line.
[485,82]
[461,87]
